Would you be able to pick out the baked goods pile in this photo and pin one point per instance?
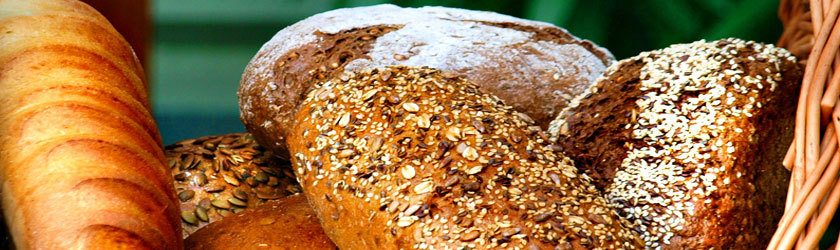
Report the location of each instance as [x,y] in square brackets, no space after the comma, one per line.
[535,67]
[388,127]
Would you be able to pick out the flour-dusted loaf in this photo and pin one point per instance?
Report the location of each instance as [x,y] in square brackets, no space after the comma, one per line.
[403,157]
[535,67]
[285,223]
[217,176]
[81,159]
[688,141]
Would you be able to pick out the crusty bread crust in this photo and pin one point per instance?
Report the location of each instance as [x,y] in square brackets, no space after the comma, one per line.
[687,141]
[535,67]
[403,157]
[285,223]
[81,160]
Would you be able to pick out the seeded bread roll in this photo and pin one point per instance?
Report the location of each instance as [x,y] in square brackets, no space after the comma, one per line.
[81,159]
[535,67]
[217,176]
[285,223]
[688,141]
[405,157]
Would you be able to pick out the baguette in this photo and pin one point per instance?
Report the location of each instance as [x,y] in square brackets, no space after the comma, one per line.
[404,157]
[687,142]
[81,159]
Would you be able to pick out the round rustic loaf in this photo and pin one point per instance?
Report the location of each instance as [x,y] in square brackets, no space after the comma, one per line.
[535,67]
[404,157]
[285,223]
[217,176]
[688,141]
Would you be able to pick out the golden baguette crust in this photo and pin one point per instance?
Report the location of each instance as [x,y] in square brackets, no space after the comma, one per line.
[81,159]
[403,157]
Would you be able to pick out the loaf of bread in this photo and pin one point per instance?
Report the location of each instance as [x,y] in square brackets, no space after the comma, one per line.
[688,141]
[217,176]
[535,67]
[403,157]
[285,223]
[81,160]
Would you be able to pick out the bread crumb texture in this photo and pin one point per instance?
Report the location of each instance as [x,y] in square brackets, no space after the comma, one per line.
[417,158]
[681,121]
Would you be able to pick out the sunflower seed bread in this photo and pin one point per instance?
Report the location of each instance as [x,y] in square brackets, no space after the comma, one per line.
[234,194]
[217,176]
[414,158]
[687,141]
[535,67]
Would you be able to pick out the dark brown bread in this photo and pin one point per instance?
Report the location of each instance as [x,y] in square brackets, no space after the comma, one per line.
[217,176]
[687,141]
[285,223]
[535,67]
[81,159]
[403,157]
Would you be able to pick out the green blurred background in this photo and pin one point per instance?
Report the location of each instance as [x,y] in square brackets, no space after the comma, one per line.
[200,47]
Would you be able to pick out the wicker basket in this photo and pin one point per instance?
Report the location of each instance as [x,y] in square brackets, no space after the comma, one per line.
[812,33]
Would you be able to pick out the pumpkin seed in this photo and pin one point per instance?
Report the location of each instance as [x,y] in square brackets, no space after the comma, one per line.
[186,195]
[230,179]
[214,187]
[188,216]
[223,204]
[199,179]
[237,202]
[201,213]
[239,194]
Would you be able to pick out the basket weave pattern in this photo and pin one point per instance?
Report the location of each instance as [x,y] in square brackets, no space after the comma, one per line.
[812,33]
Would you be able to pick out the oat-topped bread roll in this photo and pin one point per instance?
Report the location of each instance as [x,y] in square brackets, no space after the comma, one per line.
[217,176]
[688,141]
[285,223]
[535,67]
[404,157]
[81,159]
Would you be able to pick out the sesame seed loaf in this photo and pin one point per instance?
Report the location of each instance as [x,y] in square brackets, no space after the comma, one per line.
[404,157]
[217,176]
[535,67]
[285,223]
[687,141]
